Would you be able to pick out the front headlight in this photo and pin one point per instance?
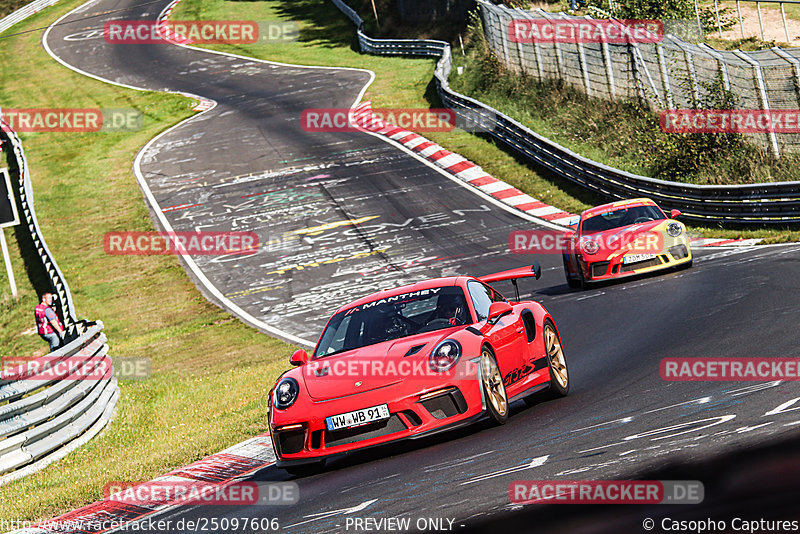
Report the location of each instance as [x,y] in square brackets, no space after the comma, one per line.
[590,247]
[445,355]
[285,393]
[674,229]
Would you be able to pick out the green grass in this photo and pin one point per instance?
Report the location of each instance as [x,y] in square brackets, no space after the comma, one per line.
[211,373]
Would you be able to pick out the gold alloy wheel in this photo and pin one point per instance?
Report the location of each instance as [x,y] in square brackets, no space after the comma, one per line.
[493,383]
[555,355]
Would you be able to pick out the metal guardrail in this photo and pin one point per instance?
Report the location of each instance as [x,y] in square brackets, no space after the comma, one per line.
[18,166]
[767,203]
[41,420]
[44,413]
[23,13]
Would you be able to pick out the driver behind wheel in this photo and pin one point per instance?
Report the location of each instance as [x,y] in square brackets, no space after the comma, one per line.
[450,308]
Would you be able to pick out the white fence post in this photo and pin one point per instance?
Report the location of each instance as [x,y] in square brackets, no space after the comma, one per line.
[581,55]
[559,58]
[612,85]
[662,64]
[692,73]
[503,38]
[762,91]
[726,80]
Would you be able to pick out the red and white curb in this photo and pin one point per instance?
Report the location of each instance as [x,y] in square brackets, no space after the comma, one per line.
[217,470]
[461,168]
[477,177]
[700,242]
[203,104]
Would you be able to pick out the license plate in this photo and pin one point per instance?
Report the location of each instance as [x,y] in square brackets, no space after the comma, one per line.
[357,417]
[634,258]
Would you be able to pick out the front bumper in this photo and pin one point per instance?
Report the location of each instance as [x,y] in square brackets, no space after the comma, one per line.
[300,435]
[613,267]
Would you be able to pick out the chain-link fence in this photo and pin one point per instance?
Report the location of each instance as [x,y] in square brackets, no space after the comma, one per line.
[671,74]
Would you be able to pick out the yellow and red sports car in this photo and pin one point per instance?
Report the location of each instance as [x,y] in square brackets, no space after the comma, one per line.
[625,238]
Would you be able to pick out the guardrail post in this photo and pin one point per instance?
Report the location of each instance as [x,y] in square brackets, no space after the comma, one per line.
[763,97]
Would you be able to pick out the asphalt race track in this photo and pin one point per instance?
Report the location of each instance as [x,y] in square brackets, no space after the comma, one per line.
[247,165]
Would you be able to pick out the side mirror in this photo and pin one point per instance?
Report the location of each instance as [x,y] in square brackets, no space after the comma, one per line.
[537,269]
[300,357]
[674,214]
[497,310]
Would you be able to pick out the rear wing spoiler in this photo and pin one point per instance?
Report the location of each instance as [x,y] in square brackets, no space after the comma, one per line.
[532,271]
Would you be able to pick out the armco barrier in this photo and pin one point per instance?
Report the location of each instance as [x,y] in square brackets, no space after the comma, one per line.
[767,203]
[44,417]
[41,420]
[18,166]
[23,13]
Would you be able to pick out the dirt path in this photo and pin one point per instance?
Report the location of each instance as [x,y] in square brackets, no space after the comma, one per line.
[773,24]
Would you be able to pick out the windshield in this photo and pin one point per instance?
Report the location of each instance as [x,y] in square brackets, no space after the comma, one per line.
[394,317]
[621,217]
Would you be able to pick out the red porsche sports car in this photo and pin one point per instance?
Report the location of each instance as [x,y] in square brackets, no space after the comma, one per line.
[413,361]
[625,238]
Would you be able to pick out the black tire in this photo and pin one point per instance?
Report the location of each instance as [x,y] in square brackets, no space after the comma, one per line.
[305,470]
[556,361]
[571,282]
[582,283]
[494,391]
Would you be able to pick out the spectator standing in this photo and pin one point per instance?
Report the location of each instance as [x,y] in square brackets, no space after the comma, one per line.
[574,4]
[47,322]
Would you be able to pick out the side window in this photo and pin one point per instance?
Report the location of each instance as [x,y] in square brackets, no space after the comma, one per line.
[482,297]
